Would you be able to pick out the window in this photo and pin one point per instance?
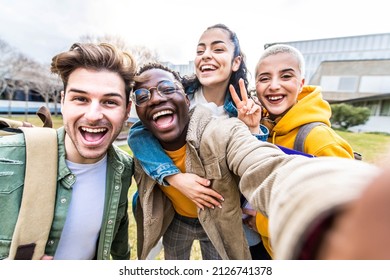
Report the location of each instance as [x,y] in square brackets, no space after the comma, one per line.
[348,84]
[329,83]
[385,109]
[337,83]
[375,84]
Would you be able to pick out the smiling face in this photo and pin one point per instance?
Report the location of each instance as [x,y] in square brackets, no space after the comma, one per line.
[278,82]
[94,110]
[214,61]
[165,116]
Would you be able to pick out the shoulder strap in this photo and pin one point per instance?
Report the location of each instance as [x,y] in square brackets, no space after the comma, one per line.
[299,143]
[37,206]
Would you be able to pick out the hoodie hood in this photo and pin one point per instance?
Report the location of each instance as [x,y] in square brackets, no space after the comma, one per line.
[311,107]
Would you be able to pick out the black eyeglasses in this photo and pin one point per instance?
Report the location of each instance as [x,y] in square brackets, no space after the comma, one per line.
[164,88]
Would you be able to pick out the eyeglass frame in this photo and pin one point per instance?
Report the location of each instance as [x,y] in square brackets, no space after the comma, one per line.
[179,87]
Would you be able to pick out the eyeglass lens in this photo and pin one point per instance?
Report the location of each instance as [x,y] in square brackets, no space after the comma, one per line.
[164,89]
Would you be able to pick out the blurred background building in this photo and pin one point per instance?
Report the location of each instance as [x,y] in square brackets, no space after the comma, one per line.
[354,70]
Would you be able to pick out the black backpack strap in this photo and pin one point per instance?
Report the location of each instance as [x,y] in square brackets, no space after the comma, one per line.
[299,143]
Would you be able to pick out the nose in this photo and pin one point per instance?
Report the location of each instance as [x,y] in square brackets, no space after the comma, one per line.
[94,112]
[156,97]
[275,84]
[206,54]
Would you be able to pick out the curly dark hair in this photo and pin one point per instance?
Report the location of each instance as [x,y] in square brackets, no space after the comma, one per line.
[149,66]
[155,65]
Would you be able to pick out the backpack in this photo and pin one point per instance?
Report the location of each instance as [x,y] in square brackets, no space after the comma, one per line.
[304,131]
[36,211]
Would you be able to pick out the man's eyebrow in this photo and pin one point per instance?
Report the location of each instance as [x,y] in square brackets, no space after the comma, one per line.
[77,90]
[113,94]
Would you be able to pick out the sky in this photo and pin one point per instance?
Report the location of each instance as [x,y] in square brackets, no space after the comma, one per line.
[42,28]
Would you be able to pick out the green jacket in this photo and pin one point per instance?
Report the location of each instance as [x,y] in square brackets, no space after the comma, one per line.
[113,239]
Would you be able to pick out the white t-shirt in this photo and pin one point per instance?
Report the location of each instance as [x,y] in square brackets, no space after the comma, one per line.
[198,99]
[83,222]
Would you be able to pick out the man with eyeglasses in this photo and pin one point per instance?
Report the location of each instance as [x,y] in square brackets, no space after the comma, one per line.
[300,196]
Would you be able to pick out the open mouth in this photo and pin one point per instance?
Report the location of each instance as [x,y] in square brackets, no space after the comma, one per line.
[163,118]
[207,67]
[274,98]
[93,134]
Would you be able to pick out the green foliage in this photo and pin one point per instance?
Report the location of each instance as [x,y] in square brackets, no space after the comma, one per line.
[345,115]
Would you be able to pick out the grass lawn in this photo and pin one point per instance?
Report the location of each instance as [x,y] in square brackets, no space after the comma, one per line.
[371,146]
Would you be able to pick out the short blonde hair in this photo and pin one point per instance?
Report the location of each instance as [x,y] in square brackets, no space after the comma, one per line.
[283,48]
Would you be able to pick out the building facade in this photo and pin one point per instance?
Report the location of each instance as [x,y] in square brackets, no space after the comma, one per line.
[354,70]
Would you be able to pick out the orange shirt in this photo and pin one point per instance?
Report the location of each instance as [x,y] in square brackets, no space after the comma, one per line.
[182,205]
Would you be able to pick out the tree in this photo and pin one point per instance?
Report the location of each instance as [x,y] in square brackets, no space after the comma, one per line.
[346,115]
[141,54]
[19,72]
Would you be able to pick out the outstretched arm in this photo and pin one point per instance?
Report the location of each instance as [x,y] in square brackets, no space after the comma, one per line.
[361,229]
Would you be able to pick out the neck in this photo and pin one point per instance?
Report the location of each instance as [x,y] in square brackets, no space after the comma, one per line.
[177,143]
[215,94]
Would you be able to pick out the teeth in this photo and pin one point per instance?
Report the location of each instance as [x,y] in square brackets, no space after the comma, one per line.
[208,67]
[162,113]
[93,130]
[274,97]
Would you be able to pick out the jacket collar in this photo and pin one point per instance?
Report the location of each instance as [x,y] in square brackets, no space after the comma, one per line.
[200,116]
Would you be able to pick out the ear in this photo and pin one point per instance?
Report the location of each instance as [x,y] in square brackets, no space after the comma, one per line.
[128,109]
[302,84]
[236,63]
[62,99]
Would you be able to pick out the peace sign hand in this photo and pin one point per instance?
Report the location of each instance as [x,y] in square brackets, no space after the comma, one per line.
[248,111]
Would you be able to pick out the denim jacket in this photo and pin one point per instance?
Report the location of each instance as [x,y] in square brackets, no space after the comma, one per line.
[153,160]
[113,238]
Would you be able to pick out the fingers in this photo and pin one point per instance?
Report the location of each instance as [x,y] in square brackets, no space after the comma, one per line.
[210,198]
[250,107]
[249,212]
[250,222]
[244,94]
[235,97]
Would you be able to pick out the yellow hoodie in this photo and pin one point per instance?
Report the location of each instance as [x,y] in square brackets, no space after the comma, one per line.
[321,141]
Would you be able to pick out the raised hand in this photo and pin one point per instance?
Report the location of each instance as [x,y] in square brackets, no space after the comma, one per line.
[248,111]
[197,189]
